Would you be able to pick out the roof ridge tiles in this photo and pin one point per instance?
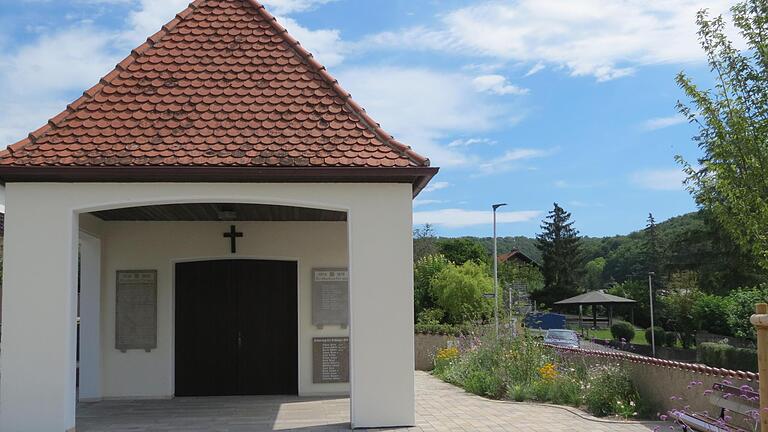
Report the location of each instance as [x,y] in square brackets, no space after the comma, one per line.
[323,72]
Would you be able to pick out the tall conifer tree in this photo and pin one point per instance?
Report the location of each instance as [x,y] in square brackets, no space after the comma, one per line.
[560,247]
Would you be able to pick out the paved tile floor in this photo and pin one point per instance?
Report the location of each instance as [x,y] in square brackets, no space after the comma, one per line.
[439,407]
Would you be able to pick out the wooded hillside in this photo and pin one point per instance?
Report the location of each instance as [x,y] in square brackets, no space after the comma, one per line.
[691,242]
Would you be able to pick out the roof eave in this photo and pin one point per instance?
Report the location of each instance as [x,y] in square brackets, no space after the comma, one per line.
[416,176]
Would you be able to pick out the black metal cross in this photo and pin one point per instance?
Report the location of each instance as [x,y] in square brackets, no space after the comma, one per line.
[233,235]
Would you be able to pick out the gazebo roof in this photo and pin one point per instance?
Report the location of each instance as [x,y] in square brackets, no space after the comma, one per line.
[221,86]
[595,297]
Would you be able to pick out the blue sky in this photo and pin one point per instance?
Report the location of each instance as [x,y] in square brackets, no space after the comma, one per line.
[527,102]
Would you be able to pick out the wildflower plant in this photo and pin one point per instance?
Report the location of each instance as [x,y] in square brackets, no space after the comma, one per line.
[522,368]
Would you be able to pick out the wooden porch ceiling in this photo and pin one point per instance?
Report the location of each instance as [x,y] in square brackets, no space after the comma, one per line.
[220,212]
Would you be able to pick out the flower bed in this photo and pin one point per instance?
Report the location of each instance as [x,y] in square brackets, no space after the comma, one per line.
[524,369]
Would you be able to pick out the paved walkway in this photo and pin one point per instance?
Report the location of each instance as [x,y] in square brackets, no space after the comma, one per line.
[439,407]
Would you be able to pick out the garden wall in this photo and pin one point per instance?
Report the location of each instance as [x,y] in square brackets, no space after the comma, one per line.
[426,347]
[658,381]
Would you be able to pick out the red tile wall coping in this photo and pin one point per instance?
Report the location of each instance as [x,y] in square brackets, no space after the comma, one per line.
[692,367]
[223,84]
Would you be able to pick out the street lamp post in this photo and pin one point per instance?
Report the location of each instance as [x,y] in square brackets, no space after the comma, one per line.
[496,270]
[650,295]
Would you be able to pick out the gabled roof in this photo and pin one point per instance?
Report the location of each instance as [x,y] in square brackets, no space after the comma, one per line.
[221,85]
[519,255]
[595,297]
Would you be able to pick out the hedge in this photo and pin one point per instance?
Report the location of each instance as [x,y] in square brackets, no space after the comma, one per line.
[444,329]
[727,357]
[658,333]
[623,330]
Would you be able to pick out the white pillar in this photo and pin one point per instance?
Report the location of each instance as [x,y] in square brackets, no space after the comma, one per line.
[381,310]
[37,352]
[90,318]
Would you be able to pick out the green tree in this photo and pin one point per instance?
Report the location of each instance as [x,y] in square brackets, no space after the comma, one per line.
[461,250]
[678,305]
[710,313]
[514,276]
[424,272]
[652,247]
[731,178]
[593,274]
[741,305]
[635,289]
[459,291]
[424,242]
[559,244]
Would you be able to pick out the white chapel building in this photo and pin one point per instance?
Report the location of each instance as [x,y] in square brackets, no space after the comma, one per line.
[223,219]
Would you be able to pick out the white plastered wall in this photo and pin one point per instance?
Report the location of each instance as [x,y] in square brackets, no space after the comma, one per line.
[38,346]
[159,245]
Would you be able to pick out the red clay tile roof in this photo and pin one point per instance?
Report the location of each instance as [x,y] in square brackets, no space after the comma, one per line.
[221,85]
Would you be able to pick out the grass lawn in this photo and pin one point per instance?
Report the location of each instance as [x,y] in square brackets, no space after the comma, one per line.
[606,334]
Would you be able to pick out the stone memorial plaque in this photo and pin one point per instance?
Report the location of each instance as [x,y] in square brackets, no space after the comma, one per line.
[330,297]
[330,360]
[136,311]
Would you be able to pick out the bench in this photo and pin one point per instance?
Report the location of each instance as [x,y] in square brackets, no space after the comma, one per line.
[727,398]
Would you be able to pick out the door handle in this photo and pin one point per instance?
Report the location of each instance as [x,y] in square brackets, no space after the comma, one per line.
[239,340]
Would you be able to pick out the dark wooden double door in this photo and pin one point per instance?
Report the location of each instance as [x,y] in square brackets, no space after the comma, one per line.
[236,330]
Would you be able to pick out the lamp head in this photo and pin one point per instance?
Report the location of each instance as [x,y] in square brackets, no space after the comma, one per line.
[495,206]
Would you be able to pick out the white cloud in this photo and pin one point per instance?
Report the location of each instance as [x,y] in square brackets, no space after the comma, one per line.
[282,7]
[325,44]
[663,122]
[37,81]
[424,202]
[659,179]
[148,18]
[470,142]
[436,186]
[421,107]
[538,67]
[458,218]
[606,40]
[497,84]
[510,158]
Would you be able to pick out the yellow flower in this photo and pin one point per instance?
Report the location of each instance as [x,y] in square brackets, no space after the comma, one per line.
[548,372]
[447,354]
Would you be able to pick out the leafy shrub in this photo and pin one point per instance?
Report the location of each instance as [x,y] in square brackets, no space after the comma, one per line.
[623,331]
[658,334]
[459,291]
[710,313]
[670,339]
[740,306]
[446,329]
[608,386]
[424,270]
[726,356]
[461,250]
[518,392]
[430,316]
[566,391]
[477,371]
[483,383]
